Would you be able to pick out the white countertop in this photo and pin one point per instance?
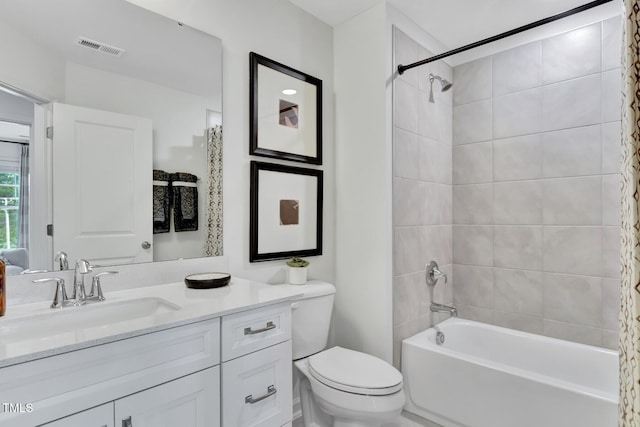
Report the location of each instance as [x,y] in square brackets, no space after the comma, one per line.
[194,305]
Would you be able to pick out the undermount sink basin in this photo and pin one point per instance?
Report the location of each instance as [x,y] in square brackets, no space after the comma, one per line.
[87,321]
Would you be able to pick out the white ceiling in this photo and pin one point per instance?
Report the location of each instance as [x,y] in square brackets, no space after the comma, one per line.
[453,22]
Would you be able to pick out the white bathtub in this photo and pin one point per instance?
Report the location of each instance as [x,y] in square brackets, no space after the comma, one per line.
[487,376]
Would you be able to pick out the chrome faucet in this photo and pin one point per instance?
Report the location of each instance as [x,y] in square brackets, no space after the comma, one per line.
[82,267]
[441,308]
[96,288]
[63,260]
[432,275]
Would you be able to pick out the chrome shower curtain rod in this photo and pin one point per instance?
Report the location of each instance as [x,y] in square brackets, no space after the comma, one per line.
[403,68]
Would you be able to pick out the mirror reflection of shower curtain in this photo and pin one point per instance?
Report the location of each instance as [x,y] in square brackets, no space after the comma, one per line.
[23,209]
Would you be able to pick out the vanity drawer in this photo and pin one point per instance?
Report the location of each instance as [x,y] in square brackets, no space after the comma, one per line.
[250,331]
[257,388]
[71,382]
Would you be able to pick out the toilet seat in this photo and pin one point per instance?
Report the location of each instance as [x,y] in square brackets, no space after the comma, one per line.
[355,372]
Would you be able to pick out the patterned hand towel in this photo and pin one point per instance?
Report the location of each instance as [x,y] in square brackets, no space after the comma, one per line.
[185,201]
[161,201]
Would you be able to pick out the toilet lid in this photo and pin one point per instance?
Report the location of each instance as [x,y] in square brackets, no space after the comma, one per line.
[355,372]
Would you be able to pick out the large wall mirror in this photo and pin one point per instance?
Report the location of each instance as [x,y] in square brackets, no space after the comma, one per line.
[110,135]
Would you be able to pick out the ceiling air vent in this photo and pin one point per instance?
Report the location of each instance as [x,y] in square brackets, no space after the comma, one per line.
[101,47]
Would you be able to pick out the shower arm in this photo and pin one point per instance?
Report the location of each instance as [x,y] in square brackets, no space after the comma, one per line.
[403,68]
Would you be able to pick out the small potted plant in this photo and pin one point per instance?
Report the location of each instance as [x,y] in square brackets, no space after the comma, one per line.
[297,270]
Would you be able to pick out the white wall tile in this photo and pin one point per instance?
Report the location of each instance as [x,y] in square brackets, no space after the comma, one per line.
[434,161]
[405,51]
[518,291]
[572,103]
[517,158]
[611,146]
[472,81]
[518,202]
[611,43]
[572,152]
[610,339]
[407,199]
[435,244]
[518,247]
[473,163]
[610,303]
[445,213]
[473,244]
[406,250]
[573,250]
[517,69]
[473,204]
[571,332]
[406,297]
[519,322]
[611,266]
[406,107]
[518,113]
[585,294]
[406,150]
[473,285]
[477,314]
[611,199]
[573,201]
[573,54]
[472,122]
[428,205]
[611,95]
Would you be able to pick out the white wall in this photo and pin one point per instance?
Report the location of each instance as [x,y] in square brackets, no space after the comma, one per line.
[283,32]
[363,173]
[43,74]
[179,143]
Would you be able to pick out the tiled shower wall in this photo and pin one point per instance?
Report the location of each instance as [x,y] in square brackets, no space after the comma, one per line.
[422,136]
[536,186]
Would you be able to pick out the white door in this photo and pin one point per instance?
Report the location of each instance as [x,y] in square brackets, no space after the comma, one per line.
[191,401]
[102,185]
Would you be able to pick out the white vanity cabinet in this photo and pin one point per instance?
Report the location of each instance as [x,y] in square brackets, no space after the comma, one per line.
[69,383]
[101,416]
[191,401]
[233,371]
[256,367]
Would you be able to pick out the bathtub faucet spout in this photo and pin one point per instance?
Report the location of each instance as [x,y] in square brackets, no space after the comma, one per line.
[441,308]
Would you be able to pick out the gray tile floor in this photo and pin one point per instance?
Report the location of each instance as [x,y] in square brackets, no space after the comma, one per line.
[405,420]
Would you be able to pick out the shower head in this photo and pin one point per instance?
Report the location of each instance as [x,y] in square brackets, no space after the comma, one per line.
[445,85]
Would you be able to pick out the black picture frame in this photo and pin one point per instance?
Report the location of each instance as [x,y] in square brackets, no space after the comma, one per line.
[266,196]
[268,120]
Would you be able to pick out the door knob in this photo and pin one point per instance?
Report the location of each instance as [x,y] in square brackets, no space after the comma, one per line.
[146,245]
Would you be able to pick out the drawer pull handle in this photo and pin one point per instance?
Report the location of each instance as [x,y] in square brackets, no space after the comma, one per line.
[127,422]
[271,390]
[249,331]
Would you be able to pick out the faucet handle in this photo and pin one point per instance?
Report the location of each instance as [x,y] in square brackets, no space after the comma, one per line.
[63,259]
[433,273]
[60,297]
[96,288]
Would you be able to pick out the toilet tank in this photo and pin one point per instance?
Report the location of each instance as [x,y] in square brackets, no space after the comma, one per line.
[311,317]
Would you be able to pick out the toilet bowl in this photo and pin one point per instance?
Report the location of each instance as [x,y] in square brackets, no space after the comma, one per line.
[346,388]
[338,387]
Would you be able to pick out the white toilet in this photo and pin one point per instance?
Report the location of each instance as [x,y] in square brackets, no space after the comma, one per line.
[338,387]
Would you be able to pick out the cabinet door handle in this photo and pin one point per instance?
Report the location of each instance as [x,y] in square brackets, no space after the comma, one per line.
[271,390]
[249,331]
[127,422]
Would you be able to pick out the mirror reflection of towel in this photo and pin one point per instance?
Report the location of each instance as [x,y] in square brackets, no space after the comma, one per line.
[161,201]
[185,201]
